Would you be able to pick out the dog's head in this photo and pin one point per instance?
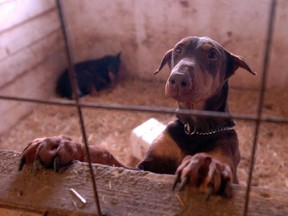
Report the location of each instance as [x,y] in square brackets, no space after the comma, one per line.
[199,68]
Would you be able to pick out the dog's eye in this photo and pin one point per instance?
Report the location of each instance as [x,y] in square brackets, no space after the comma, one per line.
[178,50]
[212,54]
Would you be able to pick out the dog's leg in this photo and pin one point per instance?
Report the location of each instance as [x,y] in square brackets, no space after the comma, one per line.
[163,156]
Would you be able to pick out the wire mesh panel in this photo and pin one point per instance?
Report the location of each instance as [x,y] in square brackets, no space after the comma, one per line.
[258,119]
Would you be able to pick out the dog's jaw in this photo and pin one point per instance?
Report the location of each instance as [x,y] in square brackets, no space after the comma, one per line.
[191,106]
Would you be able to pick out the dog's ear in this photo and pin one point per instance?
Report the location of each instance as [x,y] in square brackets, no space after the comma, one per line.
[234,62]
[166,59]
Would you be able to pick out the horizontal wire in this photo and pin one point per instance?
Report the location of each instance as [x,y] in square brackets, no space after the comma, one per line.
[154,109]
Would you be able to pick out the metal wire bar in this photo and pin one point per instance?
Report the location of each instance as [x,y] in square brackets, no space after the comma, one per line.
[258,118]
[261,100]
[152,109]
[74,87]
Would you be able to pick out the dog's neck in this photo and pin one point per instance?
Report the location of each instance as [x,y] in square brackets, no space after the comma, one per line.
[208,125]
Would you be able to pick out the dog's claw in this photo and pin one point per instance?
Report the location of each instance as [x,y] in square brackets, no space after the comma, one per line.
[57,164]
[184,182]
[37,164]
[22,163]
[209,192]
[176,180]
[227,191]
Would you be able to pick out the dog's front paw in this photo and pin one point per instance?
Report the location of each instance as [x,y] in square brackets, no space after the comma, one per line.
[206,173]
[53,152]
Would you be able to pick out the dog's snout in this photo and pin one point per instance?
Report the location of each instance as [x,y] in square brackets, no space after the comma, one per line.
[179,81]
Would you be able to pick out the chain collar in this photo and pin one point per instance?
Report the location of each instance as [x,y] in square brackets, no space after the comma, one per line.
[188,130]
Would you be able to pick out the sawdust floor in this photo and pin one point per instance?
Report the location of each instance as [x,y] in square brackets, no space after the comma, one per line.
[112,128]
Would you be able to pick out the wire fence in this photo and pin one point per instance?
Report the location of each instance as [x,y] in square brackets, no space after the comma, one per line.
[258,118]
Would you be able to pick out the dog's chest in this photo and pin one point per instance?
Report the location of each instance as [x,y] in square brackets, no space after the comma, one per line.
[191,144]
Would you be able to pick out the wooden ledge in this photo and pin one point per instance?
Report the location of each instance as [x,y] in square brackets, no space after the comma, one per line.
[121,192]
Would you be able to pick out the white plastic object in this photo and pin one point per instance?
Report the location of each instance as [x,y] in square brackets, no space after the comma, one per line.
[143,135]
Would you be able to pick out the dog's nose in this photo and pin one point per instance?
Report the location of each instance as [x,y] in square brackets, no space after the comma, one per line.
[179,81]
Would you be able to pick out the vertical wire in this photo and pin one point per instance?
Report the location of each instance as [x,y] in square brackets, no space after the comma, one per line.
[76,98]
[261,99]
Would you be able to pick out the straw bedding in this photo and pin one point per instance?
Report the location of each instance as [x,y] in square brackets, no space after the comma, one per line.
[112,128]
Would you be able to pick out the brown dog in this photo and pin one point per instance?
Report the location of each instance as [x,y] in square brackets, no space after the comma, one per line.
[202,151]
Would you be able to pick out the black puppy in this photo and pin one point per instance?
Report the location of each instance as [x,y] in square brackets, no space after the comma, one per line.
[92,76]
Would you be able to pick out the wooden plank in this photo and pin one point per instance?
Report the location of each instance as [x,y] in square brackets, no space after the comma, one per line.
[28,33]
[45,73]
[17,11]
[121,192]
[29,57]
[18,212]
[37,83]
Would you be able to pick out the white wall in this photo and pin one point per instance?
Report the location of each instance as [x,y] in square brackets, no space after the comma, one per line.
[144,29]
